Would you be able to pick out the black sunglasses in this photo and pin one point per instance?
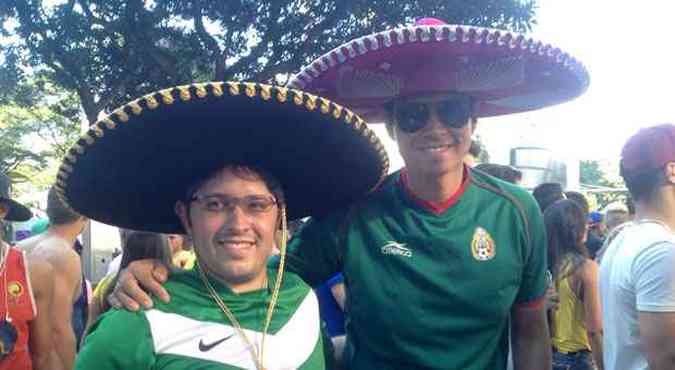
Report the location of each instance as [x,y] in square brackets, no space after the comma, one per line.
[413,116]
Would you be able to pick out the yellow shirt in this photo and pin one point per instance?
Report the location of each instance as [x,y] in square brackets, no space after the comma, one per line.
[569,321]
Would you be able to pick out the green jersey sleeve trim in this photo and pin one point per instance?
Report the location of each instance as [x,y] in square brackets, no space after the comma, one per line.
[119,340]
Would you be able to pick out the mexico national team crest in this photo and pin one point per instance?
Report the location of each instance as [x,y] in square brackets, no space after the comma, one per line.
[482,245]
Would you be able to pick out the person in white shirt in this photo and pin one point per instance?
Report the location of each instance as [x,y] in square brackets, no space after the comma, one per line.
[637,268]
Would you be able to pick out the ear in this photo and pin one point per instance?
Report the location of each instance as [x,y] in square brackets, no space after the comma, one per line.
[183,214]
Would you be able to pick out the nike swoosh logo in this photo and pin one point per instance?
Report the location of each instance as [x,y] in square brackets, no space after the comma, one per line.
[207,347]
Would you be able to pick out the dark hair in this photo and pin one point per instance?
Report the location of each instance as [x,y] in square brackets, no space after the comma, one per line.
[643,184]
[475,149]
[141,245]
[565,227]
[580,199]
[500,171]
[243,172]
[58,212]
[137,246]
[548,193]
[631,205]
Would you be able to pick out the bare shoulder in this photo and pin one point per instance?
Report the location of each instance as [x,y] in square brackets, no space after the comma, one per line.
[57,252]
[40,273]
[589,270]
[30,244]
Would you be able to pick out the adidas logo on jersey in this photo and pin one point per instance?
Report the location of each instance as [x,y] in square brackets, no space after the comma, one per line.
[397,249]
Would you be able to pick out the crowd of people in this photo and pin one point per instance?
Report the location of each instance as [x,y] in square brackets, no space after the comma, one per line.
[439,265]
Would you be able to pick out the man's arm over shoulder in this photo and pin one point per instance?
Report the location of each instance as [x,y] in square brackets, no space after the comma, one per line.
[118,340]
[40,339]
[67,286]
[654,276]
[315,252]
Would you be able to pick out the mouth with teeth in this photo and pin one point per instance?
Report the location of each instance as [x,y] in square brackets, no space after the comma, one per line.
[236,247]
[436,148]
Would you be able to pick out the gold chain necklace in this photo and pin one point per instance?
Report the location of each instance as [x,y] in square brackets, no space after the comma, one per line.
[258,357]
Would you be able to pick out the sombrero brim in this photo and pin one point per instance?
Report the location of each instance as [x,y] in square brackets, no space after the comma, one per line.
[505,72]
[17,211]
[132,166]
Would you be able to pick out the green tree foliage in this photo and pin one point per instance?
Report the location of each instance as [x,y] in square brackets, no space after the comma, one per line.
[590,173]
[109,51]
[62,61]
[38,122]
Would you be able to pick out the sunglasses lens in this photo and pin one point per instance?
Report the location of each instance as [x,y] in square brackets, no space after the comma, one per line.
[411,117]
[454,114]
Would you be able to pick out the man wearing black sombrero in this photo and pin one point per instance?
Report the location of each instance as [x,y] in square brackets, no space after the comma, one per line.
[439,258]
[243,159]
[25,297]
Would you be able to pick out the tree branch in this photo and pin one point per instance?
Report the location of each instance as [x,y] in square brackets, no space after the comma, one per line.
[271,32]
[211,44]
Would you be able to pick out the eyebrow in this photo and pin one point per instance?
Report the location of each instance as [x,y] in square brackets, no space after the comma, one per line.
[233,196]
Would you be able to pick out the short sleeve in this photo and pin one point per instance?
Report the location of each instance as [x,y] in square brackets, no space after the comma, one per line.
[314,253]
[653,274]
[118,340]
[533,283]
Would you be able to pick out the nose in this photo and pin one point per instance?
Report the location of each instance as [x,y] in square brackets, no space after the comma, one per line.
[435,122]
[237,220]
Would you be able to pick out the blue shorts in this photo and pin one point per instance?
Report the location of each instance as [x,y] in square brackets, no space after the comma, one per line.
[581,360]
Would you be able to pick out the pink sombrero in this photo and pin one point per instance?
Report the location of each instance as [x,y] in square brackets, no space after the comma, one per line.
[505,72]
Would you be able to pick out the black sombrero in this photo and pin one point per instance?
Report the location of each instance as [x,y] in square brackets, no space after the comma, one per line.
[132,166]
[17,211]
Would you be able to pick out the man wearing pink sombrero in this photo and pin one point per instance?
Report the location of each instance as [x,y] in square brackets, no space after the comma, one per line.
[440,259]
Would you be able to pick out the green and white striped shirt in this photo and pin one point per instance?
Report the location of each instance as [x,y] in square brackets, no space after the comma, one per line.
[192,332]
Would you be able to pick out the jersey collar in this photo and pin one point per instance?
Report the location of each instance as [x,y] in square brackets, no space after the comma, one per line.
[433,207]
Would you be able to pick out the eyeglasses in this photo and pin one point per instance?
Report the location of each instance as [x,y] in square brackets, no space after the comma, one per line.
[413,116]
[251,205]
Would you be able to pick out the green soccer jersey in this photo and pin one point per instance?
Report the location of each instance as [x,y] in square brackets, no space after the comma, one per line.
[429,290]
[191,332]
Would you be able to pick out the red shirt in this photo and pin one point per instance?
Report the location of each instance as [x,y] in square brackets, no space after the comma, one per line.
[21,305]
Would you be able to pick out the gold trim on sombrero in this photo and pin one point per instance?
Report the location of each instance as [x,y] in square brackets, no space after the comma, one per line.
[109,123]
[311,102]
[151,102]
[282,94]
[166,97]
[250,89]
[184,92]
[325,105]
[122,116]
[435,33]
[135,107]
[266,92]
[200,90]
[234,88]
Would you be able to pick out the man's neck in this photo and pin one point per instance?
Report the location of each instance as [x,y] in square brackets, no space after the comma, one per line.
[241,287]
[662,210]
[433,187]
[69,232]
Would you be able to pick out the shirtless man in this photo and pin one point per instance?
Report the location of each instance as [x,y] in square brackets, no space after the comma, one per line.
[27,285]
[56,247]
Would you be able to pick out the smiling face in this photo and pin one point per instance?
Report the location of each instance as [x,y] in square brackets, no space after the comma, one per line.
[232,225]
[435,148]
